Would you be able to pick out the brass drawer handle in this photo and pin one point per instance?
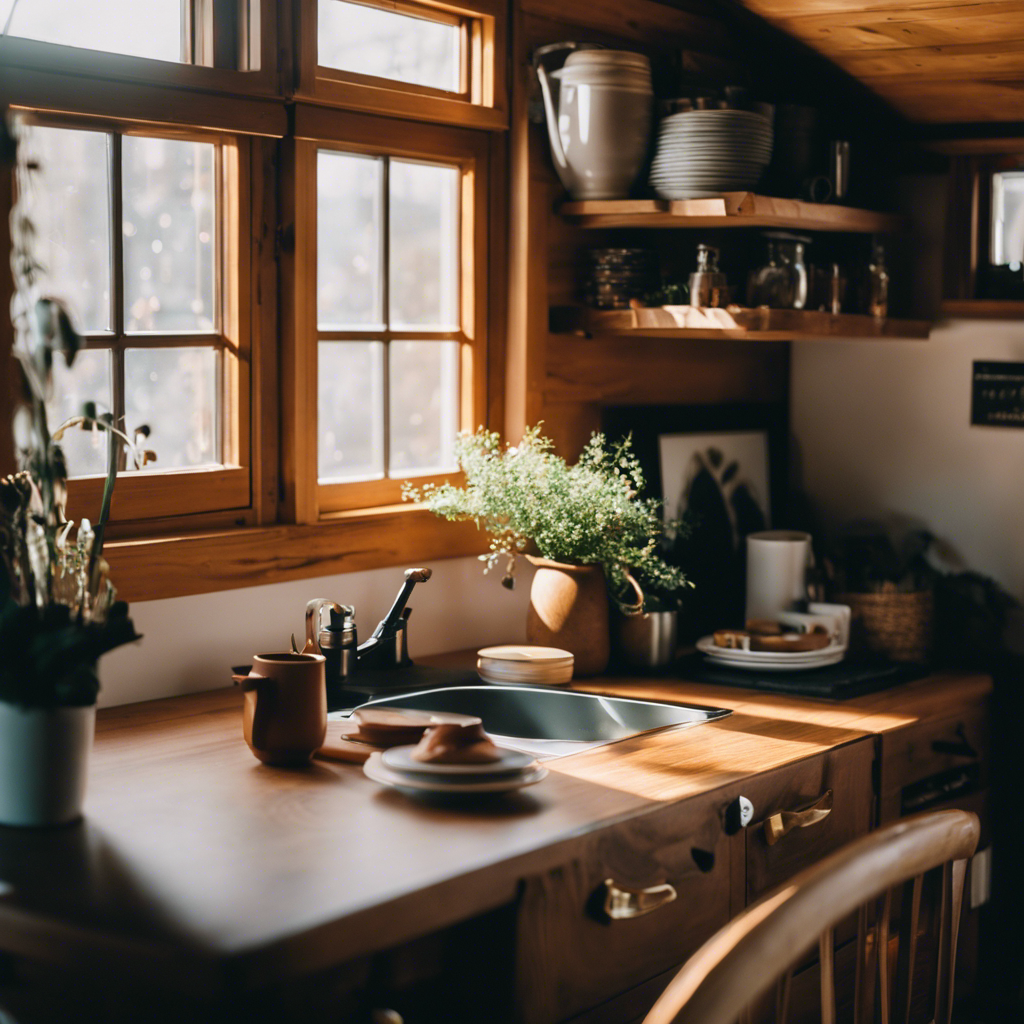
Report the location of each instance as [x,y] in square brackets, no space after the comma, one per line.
[622,903]
[784,822]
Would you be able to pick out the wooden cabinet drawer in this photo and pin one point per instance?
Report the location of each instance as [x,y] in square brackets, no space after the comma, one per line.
[571,958]
[846,771]
[929,749]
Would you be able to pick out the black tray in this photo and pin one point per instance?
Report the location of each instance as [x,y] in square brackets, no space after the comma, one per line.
[832,682]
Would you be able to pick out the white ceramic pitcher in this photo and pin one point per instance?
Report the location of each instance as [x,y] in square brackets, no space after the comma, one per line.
[601,128]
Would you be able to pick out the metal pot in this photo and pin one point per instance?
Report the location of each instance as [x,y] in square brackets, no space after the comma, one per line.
[648,640]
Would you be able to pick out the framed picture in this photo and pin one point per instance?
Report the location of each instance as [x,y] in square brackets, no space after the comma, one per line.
[721,469]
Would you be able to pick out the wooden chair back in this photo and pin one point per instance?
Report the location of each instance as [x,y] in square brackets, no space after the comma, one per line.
[761,946]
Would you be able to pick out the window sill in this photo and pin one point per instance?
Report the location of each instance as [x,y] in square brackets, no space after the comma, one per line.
[201,563]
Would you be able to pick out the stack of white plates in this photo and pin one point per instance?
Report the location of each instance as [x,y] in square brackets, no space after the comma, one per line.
[397,768]
[771,661]
[706,152]
[523,663]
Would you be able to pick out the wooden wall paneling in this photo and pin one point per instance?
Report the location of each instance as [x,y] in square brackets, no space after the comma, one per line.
[960,252]
[639,21]
[935,61]
[621,371]
[498,282]
[570,424]
[529,214]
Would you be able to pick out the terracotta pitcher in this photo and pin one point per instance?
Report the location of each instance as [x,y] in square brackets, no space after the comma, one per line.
[569,609]
[284,720]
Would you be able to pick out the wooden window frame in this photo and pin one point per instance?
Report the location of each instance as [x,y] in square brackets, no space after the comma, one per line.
[481,104]
[166,494]
[968,235]
[267,541]
[305,498]
[223,41]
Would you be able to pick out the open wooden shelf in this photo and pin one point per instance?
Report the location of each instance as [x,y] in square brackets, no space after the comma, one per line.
[730,210]
[983,309]
[733,322]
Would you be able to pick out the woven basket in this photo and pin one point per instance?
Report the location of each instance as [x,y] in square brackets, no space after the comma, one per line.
[893,624]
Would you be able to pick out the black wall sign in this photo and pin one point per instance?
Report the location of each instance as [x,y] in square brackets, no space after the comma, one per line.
[997,395]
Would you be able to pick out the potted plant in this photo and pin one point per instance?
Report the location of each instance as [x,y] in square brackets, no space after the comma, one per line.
[58,612]
[584,527]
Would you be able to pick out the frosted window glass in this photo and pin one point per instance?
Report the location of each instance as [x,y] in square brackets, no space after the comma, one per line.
[348,229]
[169,233]
[350,410]
[86,380]
[424,405]
[174,392]
[1008,217]
[424,282]
[385,44]
[72,214]
[138,28]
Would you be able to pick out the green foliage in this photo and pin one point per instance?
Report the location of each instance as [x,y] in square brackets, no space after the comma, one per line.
[588,514]
[49,655]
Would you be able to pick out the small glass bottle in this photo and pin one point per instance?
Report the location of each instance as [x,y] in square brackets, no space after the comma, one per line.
[878,285]
[708,286]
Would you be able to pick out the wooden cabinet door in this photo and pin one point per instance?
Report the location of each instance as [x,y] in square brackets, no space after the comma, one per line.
[571,957]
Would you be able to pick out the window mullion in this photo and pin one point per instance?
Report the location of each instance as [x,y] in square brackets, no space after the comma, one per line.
[386,311]
[117,287]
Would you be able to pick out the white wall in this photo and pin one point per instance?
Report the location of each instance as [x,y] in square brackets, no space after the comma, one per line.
[190,642]
[882,430]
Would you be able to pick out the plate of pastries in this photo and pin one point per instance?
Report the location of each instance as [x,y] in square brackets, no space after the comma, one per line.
[787,642]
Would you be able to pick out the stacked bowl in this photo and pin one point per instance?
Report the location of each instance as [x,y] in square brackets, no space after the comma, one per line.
[525,663]
[703,153]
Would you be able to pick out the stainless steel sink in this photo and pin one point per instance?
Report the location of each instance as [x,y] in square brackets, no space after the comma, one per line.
[548,722]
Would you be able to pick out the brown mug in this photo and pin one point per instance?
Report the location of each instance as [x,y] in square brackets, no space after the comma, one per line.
[284,720]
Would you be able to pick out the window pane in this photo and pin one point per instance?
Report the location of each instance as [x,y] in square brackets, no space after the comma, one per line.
[1008,217]
[369,41]
[424,245]
[174,392]
[150,29]
[73,220]
[349,232]
[87,380]
[424,403]
[170,250]
[350,410]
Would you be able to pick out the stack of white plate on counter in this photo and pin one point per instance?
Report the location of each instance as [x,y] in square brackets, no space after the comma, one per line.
[397,768]
[771,661]
[524,663]
[704,153]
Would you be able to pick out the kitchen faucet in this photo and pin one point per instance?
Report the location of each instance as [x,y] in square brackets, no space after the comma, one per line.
[388,646]
[337,639]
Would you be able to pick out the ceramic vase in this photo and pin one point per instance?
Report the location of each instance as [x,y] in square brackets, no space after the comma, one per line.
[599,126]
[44,755]
[569,609]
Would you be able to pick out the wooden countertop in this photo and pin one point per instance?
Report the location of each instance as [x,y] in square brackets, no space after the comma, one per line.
[194,858]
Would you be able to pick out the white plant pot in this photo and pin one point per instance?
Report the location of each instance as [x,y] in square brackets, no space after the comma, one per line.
[44,758]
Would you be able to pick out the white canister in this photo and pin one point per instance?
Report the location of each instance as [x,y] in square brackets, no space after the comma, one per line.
[777,563]
[44,757]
